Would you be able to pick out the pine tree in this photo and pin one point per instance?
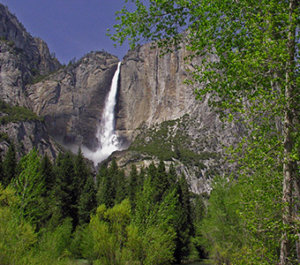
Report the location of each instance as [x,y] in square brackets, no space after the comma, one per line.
[87,201]
[121,186]
[48,174]
[66,188]
[160,181]
[141,178]
[133,185]
[183,223]
[9,165]
[107,185]
[1,172]
[172,176]
[82,171]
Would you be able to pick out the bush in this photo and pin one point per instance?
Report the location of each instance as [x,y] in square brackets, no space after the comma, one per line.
[16,114]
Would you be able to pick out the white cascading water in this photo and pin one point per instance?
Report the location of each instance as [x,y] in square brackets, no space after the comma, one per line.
[108,141]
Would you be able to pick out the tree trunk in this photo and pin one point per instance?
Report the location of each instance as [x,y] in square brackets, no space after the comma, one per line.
[296,197]
[288,168]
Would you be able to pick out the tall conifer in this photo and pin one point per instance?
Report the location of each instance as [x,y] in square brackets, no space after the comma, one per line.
[9,165]
[87,201]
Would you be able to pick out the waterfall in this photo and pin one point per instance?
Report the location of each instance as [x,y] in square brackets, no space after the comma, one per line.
[108,141]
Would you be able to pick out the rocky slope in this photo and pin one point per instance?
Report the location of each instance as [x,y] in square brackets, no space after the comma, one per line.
[26,130]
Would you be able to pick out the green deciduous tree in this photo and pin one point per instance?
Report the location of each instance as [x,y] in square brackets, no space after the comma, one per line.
[16,235]
[52,246]
[249,69]
[105,235]
[30,187]
[154,218]
[221,229]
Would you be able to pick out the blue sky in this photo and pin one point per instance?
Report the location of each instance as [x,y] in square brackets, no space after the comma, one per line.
[71,28]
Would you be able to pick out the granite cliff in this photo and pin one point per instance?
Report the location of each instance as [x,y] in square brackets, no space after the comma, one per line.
[157,115]
[71,100]
[22,60]
[161,119]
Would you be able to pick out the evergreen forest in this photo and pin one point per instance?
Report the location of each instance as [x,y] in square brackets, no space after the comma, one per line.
[62,213]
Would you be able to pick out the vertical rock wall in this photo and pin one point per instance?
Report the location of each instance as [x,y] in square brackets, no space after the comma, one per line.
[72,99]
[152,89]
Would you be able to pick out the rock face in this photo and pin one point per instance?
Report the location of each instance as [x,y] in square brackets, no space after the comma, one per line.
[69,98]
[22,59]
[161,119]
[27,135]
[152,89]
[72,99]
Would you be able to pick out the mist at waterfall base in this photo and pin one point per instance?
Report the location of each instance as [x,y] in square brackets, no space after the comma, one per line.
[108,140]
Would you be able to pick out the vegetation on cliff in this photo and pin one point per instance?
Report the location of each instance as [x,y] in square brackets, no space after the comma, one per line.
[171,140]
[16,113]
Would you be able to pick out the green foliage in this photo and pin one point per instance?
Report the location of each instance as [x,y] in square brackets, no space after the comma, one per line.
[16,235]
[132,186]
[112,186]
[30,187]
[106,234]
[41,210]
[16,114]
[183,225]
[38,78]
[82,172]
[243,223]
[221,229]
[155,223]
[53,246]
[106,190]
[249,71]
[48,174]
